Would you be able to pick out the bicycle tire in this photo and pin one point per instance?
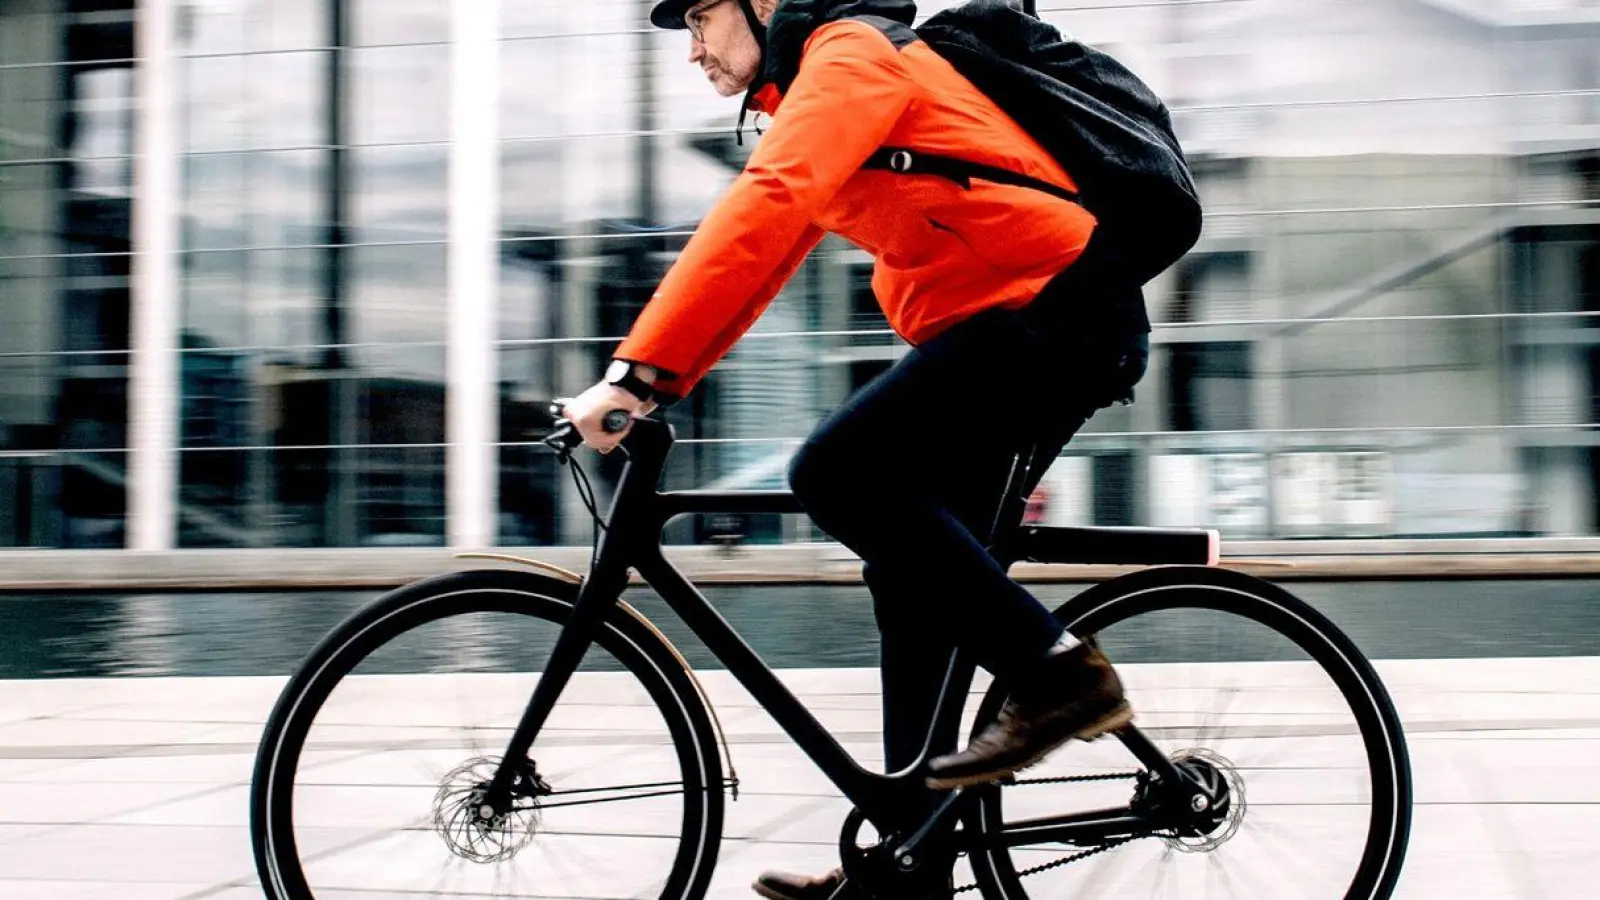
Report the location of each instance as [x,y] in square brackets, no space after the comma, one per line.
[1220,590]
[629,639]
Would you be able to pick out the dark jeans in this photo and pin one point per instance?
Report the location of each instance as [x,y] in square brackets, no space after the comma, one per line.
[909,472]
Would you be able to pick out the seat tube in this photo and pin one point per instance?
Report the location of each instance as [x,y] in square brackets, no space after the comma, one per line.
[945,723]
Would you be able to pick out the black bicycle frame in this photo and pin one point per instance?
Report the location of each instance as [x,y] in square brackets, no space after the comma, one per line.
[637,515]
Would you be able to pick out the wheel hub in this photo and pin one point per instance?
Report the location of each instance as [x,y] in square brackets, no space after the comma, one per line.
[471,826]
[1213,804]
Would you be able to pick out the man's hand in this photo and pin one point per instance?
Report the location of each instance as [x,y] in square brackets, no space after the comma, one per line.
[588,409]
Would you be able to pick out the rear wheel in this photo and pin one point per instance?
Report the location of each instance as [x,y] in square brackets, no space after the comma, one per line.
[370,771]
[1253,693]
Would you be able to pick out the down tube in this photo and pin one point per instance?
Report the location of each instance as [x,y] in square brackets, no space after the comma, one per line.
[875,795]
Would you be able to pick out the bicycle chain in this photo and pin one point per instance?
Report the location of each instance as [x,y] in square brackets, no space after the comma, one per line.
[1071,858]
[1062,861]
[1063,779]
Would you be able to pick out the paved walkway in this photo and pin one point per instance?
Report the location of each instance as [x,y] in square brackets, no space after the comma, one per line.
[136,789]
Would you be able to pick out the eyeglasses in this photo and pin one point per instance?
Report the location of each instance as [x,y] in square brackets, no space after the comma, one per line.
[695,19]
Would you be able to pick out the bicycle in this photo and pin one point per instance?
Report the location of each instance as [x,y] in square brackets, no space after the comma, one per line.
[603,713]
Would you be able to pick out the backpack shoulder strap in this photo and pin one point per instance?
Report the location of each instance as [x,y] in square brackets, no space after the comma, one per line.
[906,161]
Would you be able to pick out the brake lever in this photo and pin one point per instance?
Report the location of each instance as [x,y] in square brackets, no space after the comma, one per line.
[564,439]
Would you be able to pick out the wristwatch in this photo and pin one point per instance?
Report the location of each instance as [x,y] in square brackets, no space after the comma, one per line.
[625,375]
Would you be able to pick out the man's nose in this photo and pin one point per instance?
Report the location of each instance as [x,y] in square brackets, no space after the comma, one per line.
[697,50]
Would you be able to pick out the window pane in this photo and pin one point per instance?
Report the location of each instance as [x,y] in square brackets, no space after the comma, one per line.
[291,497]
[399,21]
[65,217]
[255,102]
[397,294]
[399,193]
[400,94]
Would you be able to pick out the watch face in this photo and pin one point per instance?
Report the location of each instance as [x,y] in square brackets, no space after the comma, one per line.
[618,370]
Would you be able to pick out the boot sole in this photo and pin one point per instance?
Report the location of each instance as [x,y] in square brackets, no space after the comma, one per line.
[1120,717]
[768,893]
[771,894]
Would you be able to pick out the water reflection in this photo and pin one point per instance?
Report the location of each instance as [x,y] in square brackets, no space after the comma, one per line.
[59,636]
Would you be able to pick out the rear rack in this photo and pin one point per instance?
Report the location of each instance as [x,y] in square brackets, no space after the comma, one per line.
[1118,545]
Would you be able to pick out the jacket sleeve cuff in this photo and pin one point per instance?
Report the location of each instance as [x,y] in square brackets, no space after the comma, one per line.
[668,387]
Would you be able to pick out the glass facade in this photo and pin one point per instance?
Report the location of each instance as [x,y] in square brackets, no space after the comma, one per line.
[314,150]
[66,204]
[1383,332]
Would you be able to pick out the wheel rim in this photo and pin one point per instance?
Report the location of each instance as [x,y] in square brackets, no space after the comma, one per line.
[371,780]
[1304,772]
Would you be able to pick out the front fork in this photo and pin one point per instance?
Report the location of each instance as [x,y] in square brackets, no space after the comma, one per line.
[597,596]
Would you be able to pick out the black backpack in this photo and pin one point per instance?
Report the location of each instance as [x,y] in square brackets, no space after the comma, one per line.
[1104,125]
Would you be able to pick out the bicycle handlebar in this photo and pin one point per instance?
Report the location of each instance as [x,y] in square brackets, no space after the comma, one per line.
[565,437]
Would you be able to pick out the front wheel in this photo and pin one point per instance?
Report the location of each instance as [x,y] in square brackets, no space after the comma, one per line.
[1251,692]
[372,765]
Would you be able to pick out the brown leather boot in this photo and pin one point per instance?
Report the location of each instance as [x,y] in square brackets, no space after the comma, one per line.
[1075,694]
[783,886]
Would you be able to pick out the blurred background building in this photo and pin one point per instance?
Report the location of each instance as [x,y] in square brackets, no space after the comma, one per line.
[302,272]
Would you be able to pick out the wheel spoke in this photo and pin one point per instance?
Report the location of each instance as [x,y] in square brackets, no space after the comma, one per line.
[1103,871]
[1208,729]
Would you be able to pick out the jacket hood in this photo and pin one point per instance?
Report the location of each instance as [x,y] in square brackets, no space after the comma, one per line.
[794,21]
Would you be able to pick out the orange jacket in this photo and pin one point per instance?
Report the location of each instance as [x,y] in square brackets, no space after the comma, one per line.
[942,252]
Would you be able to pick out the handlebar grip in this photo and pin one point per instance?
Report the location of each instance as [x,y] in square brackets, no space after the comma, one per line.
[565,436]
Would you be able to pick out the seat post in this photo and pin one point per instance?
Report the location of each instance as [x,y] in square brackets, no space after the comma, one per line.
[1013,499]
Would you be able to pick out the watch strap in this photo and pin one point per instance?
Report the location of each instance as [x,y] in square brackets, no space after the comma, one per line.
[632,383]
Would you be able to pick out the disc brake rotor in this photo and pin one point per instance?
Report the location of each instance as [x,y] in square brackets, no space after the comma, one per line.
[460,804]
[1219,822]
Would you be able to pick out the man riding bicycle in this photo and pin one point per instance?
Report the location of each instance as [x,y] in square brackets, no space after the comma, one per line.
[1013,314]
